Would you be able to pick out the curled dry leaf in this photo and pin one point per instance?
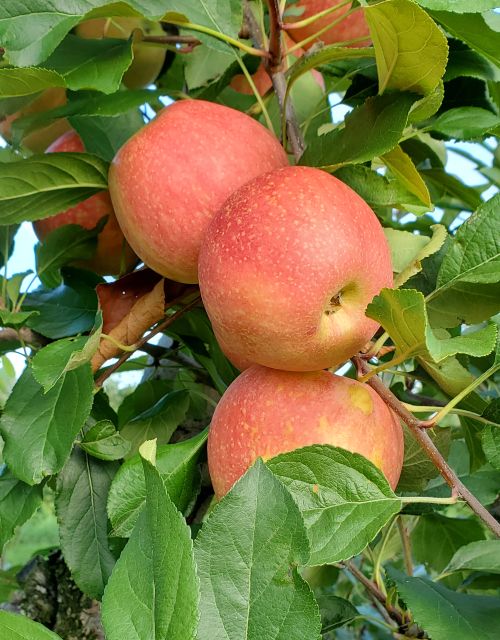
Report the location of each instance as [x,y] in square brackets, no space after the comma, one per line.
[129,307]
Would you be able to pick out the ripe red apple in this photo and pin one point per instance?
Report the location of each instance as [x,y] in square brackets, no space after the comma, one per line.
[287,268]
[170,178]
[38,140]
[354,26]
[265,412]
[111,245]
[148,57]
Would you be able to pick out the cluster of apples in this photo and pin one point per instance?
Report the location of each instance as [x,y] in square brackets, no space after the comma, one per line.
[287,259]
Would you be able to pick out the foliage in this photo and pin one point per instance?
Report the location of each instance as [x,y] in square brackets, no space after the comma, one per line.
[313,540]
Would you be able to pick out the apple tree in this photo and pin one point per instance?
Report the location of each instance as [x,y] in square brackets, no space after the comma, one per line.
[109,526]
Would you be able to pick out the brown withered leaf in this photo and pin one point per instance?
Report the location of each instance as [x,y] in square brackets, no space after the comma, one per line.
[129,307]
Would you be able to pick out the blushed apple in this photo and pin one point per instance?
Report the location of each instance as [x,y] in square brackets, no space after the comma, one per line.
[350,28]
[112,250]
[39,139]
[265,412]
[287,268]
[148,57]
[170,178]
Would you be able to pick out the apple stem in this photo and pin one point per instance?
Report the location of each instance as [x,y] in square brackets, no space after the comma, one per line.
[161,326]
[418,429]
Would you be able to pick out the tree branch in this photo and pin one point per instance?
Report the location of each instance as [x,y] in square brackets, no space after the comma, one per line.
[417,427]
[158,329]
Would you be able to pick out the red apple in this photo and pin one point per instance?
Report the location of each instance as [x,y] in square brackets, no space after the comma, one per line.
[111,245]
[265,412]
[148,57]
[287,268]
[354,26]
[170,178]
[39,139]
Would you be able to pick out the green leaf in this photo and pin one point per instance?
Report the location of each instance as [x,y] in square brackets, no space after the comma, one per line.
[160,421]
[246,553]
[471,262]
[402,167]
[153,592]
[465,123]
[82,489]
[15,318]
[417,468]
[344,499]
[459,6]
[490,437]
[445,614]
[378,190]
[18,627]
[29,42]
[39,428]
[66,310]
[23,82]
[472,29]
[53,361]
[411,51]
[103,136]
[445,188]
[66,244]
[370,130]
[335,611]
[403,314]
[43,185]
[408,250]
[436,538]
[142,398]
[104,442]
[204,64]
[483,555]
[91,63]
[18,502]
[178,466]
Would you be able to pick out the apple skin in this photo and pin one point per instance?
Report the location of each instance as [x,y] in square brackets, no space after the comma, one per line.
[354,26]
[38,140]
[148,57]
[287,268]
[170,178]
[265,412]
[111,242]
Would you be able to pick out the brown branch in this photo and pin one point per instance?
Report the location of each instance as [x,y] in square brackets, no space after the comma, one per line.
[273,68]
[25,335]
[166,39]
[158,329]
[417,427]
[374,590]
[405,541]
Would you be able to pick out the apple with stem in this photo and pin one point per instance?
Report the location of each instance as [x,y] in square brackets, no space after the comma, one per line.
[265,412]
[287,268]
[113,255]
[170,178]
[351,27]
[148,57]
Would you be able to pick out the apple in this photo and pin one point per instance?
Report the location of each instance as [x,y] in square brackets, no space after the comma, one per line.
[265,412]
[169,179]
[38,140]
[148,57]
[287,268]
[351,27]
[112,249]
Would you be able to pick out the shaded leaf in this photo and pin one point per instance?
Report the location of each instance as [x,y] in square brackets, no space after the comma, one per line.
[483,555]
[104,442]
[82,489]
[417,468]
[18,502]
[465,123]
